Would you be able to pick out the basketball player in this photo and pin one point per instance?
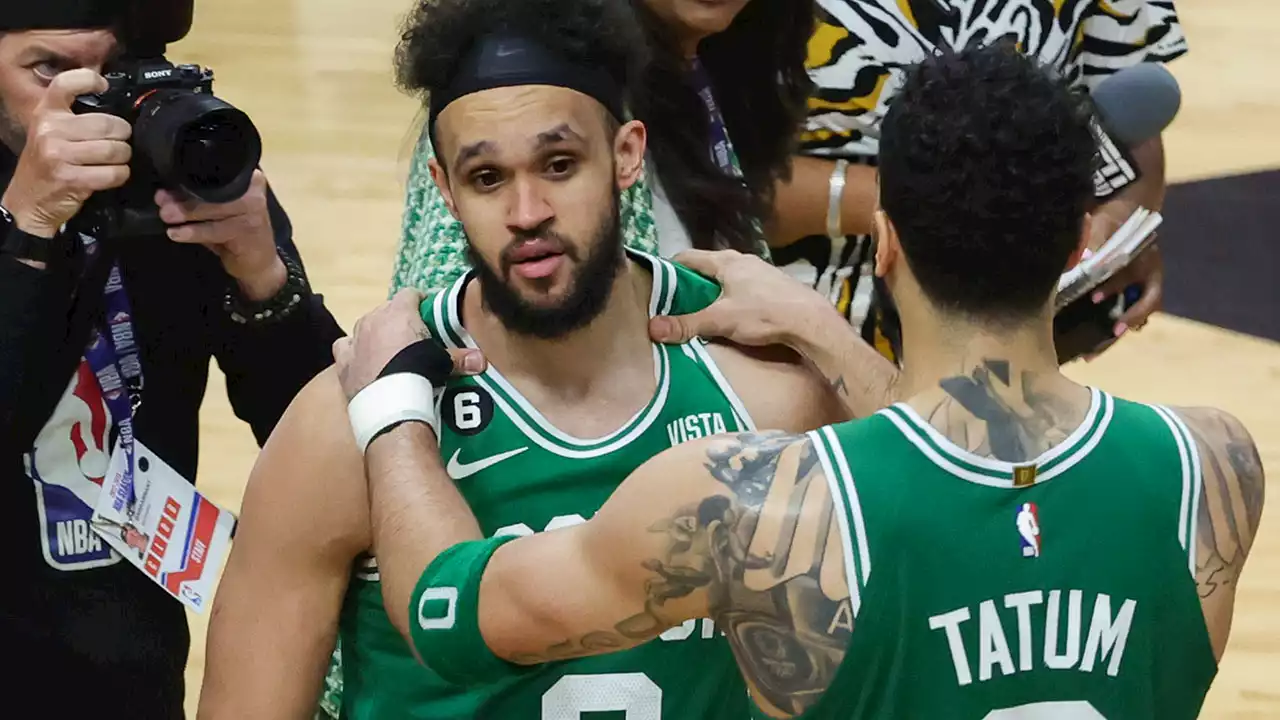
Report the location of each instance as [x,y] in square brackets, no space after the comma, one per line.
[1002,544]
[533,151]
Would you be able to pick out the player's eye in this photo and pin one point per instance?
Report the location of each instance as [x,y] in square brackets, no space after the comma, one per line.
[485,179]
[561,166]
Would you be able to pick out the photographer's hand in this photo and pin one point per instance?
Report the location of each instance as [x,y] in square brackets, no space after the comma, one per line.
[239,232]
[67,157]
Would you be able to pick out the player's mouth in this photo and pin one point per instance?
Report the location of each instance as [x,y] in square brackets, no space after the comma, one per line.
[536,258]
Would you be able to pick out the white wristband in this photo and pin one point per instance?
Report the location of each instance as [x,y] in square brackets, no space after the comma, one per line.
[388,401]
[835,198]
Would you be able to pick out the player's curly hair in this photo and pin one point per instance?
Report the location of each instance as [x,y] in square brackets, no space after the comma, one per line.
[986,169]
[437,34]
[756,67]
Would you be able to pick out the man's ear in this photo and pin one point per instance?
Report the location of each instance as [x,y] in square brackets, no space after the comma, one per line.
[1086,234]
[888,248]
[629,146]
[441,179]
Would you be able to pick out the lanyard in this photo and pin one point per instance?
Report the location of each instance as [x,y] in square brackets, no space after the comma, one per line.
[113,358]
[721,148]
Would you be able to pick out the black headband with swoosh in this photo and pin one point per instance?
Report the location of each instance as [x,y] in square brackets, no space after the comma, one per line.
[507,60]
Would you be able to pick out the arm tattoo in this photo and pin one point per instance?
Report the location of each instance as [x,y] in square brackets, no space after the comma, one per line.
[839,387]
[767,553]
[771,560]
[1231,499]
[1004,414]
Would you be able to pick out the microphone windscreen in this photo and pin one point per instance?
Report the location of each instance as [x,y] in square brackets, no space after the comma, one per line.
[1137,103]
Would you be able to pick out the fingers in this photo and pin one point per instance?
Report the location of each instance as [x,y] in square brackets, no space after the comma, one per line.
[468,362]
[706,262]
[66,86]
[342,350]
[679,329]
[101,177]
[97,126]
[214,232]
[176,210]
[411,297]
[1149,302]
[99,152]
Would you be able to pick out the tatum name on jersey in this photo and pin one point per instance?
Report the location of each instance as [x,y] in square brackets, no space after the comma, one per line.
[1024,631]
[520,476]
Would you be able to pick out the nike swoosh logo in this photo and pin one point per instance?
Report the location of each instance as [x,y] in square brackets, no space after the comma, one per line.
[458,470]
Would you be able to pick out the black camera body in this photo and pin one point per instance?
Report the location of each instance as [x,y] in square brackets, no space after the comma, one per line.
[184,140]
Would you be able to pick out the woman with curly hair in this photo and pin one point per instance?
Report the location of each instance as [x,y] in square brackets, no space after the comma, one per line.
[722,97]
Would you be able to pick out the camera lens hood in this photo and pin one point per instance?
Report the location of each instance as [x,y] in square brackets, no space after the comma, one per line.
[198,144]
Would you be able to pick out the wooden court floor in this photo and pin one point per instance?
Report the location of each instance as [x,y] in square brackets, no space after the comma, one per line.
[315,76]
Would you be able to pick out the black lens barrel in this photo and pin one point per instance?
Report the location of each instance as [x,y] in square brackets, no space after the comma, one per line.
[198,144]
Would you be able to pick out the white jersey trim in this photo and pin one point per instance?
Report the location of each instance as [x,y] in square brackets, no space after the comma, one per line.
[855,505]
[914,428]
[843,514]
[1068,444]
[1192,481]
[554,440]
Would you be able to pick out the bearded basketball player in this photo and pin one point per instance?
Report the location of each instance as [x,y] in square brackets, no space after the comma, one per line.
[533,149]
[1002,544]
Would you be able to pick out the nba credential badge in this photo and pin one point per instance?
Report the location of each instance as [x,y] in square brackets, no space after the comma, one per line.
[1027,520]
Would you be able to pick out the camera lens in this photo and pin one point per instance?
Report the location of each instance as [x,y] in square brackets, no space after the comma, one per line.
[198,144]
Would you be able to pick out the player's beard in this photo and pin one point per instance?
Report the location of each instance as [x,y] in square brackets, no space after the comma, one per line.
[589,291]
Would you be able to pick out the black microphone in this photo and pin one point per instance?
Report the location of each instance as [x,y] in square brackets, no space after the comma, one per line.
[1137,103]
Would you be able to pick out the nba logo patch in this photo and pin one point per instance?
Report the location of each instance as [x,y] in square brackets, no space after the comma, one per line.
[1027,520]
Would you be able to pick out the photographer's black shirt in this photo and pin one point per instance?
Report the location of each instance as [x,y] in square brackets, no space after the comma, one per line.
[82,628]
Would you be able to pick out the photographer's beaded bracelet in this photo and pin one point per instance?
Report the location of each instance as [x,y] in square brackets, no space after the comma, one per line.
[273,309]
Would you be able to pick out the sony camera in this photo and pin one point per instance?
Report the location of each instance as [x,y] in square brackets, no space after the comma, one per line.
[184,140]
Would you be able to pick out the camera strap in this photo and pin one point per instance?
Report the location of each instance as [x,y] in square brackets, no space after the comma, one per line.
[721,147]
[113,357]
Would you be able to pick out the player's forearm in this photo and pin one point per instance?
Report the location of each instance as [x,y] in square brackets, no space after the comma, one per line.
[800,203]
[863,379]
[415,510]
[269,643]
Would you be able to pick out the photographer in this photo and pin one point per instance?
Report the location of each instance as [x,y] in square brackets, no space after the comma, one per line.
[105,341]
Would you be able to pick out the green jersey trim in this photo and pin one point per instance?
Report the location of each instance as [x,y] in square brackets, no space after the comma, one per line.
[853,529]
[998,473]
[446,312]
[1189,455]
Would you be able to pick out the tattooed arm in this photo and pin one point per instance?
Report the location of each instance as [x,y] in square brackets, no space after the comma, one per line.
[739,528]
[760,305]
[1231,500]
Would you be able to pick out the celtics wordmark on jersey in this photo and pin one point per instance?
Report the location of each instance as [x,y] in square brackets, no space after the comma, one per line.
[1063,589]
[522,475]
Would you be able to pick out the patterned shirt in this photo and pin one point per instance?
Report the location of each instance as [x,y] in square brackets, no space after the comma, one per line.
[858,57]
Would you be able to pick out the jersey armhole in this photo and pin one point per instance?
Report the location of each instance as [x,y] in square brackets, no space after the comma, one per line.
[1192,481]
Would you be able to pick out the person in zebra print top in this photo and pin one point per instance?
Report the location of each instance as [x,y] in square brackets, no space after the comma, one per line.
[857,60]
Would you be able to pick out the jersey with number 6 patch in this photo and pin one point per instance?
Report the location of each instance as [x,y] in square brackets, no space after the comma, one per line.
[521,475]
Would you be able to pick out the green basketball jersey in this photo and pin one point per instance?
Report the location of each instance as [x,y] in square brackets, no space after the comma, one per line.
[521,475]
[1059,590]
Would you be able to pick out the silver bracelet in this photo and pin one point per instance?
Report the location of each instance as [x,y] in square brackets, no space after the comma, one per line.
[834,197]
